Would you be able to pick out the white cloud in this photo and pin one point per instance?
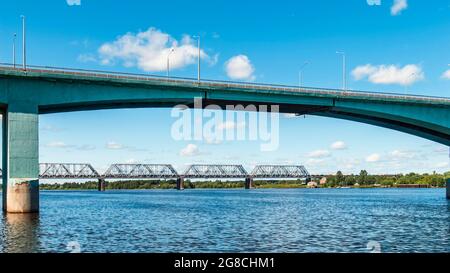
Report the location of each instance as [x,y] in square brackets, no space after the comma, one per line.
[190,150]
[362,71]
[373,2]
[58,144]
[230,125]
[86,58]
[389,74]
[319,154]
[397,154]
[86,147]
[446,75]
[442,164]
[398,6]
[240,68]
[148,51]
[73,2]
[339,145]
[373,158]
[112,145]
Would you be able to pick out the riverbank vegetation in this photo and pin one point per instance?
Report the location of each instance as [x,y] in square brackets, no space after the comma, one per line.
[363,180]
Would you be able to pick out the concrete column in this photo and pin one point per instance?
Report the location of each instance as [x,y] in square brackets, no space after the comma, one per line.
[101,184]
[448,188]
[180,183]
[20,158]
[248,183]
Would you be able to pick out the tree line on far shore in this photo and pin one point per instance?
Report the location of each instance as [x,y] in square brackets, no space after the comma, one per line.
[363,179]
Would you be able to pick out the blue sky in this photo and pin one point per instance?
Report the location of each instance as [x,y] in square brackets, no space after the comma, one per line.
[397,46]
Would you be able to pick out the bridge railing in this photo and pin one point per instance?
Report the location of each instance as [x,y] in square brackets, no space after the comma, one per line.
[221,83]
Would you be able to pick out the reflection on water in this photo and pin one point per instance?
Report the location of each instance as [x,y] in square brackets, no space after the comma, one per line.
[20,233]
[297,220]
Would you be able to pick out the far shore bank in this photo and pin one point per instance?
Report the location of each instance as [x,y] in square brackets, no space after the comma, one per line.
[363,180]
[52,187]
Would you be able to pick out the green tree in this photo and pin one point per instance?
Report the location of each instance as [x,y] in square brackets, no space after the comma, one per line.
[362,178]
[340,179]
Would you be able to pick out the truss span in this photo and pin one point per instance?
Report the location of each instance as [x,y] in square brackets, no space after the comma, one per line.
[215,171]
[67,170]
[280,171]
[133,171]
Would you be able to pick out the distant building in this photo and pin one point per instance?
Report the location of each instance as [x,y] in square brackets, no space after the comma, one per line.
[323,181]
[312,185]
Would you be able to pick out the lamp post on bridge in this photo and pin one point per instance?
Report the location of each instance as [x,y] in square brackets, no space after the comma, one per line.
[199,56]
[344,72]
[24,48]
[14,50]
[406,83]
[300,74]
[168,61]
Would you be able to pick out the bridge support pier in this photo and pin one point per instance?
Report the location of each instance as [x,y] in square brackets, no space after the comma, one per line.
[101,184]
[249,183]
[448,189]
[180,183]
[20,156]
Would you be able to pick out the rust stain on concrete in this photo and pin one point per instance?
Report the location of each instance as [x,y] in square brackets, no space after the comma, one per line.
[22,196]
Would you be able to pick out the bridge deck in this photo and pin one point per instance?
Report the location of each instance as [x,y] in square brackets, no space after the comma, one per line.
[129,78]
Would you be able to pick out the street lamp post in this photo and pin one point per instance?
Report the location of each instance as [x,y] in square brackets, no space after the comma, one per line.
[14,50]
[300,74]
[406,84]
[198,57]
[168,62]
[24,48]
[344,73]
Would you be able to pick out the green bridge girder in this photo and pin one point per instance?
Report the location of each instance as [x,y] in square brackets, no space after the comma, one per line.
[26,94]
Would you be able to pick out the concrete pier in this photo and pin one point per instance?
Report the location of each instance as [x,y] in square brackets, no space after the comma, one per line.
[249,183]
[180,183]
[448,189]
[101,184]
[20,156]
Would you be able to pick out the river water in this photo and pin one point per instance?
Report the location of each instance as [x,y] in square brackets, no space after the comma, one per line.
[297,220]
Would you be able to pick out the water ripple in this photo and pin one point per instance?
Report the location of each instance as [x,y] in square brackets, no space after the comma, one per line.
[298,220]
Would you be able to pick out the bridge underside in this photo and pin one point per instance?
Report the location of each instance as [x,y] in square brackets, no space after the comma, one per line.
[429,131]
[408,128]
